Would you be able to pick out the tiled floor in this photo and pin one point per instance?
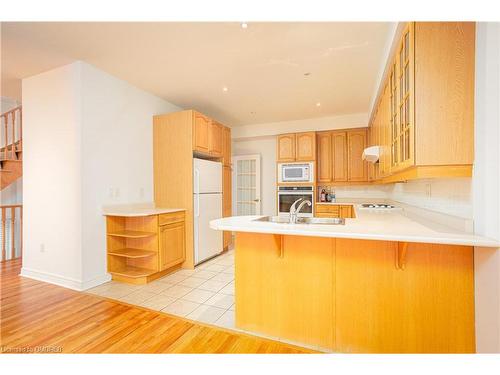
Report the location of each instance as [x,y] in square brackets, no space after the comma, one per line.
[205,294]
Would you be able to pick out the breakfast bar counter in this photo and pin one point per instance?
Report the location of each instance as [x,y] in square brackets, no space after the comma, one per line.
[381,283]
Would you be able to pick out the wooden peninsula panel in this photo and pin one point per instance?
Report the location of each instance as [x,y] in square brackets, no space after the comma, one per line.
[356,296]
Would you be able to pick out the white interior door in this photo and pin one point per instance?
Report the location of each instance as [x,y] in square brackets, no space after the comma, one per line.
[246,182]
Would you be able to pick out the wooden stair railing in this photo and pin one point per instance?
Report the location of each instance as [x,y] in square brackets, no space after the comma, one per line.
[11,141]
[11,232]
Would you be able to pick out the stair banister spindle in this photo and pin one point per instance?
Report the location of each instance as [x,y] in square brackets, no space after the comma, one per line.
[13,149]
[4,223]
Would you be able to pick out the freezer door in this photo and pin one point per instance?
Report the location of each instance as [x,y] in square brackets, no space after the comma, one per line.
[207,176]
[207,242]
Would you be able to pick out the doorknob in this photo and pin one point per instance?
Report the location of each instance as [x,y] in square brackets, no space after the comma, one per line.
[256,200]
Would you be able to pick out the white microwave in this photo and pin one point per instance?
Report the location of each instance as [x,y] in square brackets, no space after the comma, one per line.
[296,172]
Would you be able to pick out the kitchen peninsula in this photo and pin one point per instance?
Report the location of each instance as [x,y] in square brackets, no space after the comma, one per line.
[382,282]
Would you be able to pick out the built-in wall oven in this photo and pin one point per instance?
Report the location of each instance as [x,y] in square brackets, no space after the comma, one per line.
[289,194]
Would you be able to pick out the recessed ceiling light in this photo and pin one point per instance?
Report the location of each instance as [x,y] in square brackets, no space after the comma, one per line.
[244,25]
[318,104]
[224,89]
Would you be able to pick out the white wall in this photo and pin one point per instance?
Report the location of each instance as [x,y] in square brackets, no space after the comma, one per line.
[486,186]
[94,151]
[117,153]
[52,163]
[356,120]
[451,196]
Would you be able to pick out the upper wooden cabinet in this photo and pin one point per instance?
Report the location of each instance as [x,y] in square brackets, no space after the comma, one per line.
[305,146]
[424,115]
[215,139]
[325,155]
[339,156]
[357,167]
[296,147]
[226,146]
[286,147]
[201,129]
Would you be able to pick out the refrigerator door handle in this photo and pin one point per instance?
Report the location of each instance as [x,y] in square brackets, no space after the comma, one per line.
[197,205]
[196,180]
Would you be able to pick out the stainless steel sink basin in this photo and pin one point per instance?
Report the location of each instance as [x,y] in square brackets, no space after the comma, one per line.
[274,219]
[321,220]
[303,220]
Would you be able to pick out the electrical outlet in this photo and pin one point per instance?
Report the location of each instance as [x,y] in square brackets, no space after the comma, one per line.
[141,192]
[117,193]
[111,193]
[42,248]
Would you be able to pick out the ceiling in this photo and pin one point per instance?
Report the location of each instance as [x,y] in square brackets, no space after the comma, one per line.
[272,71]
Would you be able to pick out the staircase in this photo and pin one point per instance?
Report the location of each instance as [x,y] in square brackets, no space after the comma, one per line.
[11,146]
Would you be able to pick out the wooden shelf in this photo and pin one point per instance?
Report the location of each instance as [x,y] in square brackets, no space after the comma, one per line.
[132,272]
[132,234]
[132,253]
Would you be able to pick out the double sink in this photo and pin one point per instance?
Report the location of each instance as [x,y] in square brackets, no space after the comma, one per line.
[303,220]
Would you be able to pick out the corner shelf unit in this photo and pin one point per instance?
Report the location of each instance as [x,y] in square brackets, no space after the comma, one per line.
[132,248]
[143,248]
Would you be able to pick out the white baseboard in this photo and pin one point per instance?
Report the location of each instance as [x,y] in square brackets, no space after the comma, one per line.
[96,281]
[66,282]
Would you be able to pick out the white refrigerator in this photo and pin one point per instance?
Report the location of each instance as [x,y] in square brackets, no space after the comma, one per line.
[207,181]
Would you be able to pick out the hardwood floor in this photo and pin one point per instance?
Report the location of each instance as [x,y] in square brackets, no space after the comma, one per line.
[36,316]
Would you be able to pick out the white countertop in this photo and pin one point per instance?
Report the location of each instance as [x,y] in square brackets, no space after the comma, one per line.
[137,210]
[383,225]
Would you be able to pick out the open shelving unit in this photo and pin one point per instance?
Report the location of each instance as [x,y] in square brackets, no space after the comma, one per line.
[132,248]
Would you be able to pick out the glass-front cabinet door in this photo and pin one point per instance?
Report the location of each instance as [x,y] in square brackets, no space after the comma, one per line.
[402,102]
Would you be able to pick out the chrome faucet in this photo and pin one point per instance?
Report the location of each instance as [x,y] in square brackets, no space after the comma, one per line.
[295,211]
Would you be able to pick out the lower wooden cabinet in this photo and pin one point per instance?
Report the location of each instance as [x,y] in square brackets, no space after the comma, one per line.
[172,245]
[333,210]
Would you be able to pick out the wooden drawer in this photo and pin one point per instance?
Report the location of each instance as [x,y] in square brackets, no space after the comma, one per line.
[327,214]
[170,218]
[327,208]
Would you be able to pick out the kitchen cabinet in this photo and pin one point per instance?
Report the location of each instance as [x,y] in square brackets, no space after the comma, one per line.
[427,307]
[215,139]
[226,146]
[143,248]
[333,210]
[305,146]
[325,156]
[201,129]
[177,138]
[172,244]
[427,97]
[286,147]
[277,276]
[226,201]
[340,156]
[296,147]
[357,167]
